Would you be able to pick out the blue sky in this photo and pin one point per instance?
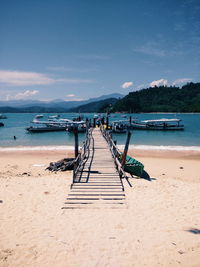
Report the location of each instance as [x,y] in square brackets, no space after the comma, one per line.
[77,49]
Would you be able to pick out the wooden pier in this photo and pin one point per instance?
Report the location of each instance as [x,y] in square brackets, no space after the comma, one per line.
[97,182]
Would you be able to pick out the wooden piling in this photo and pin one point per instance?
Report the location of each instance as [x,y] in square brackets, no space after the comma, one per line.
[76,141]
[94,122]
[126,148]
[107,122]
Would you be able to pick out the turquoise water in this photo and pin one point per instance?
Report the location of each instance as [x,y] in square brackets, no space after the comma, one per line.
[16,124]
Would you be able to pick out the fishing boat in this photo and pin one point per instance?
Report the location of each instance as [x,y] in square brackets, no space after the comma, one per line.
[53,117]
[39,116]
[96,116]
[119,126]
[3,116]
[159,124]
[50,126]
[79,125]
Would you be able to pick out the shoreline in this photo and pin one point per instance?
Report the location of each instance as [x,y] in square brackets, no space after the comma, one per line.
[121,147]
[58,152]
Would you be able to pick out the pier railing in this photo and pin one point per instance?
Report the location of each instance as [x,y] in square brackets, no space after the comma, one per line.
[82,157]
[115,152]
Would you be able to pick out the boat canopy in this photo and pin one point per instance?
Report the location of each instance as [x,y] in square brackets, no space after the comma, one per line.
[120,122]
[52,122]
[162,120]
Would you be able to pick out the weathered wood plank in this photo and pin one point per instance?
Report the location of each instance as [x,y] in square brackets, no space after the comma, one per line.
[99,185]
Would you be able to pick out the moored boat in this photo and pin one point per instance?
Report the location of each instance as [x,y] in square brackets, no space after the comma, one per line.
[80,126]
[119,126]
[39,116]
[160,124]
[3,116]
[53,117]
[48,128]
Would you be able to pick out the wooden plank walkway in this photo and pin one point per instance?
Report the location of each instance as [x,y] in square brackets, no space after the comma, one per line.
[99,185]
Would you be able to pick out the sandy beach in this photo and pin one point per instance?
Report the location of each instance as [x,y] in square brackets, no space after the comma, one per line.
[160,225]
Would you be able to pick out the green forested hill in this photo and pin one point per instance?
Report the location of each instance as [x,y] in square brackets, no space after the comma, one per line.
[162,99]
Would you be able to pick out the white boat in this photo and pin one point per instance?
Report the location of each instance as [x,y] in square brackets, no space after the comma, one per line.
[160,124]
[49,126]
[39,116]
[79,125]
[3,116]
[119,126]
[53,117]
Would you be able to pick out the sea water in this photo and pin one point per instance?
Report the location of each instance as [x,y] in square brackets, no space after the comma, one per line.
[16,124]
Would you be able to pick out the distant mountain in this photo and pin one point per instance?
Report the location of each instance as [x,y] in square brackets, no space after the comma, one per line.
[57,105]
[97,106]
[20,103]
[114,95]
[9,110]
[31,109]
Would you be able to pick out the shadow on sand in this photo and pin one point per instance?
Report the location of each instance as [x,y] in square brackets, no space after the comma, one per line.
[194,231]
[146,176]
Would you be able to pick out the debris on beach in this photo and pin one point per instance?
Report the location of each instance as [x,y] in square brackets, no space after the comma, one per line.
[26,173]
[65,164]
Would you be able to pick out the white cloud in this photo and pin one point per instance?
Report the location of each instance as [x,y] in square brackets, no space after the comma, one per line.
[126,85]
[21,78]
[22,95]
[161,82]
[151,49]
[73,81]
[183,80]
[70,95]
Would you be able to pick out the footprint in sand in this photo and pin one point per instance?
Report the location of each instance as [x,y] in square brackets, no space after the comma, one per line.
[4,254]
[119,226]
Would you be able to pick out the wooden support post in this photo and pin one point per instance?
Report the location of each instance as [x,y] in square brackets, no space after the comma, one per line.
[130,120]
[107,122]
[126,149]
[94,123]
[76,141]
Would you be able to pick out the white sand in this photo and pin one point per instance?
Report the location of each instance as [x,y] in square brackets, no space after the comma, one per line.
[159,227]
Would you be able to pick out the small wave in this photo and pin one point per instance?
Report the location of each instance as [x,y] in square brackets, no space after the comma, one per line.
[121,147]
[166,148]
